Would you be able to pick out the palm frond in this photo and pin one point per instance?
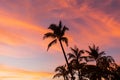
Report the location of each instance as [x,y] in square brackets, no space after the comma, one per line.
[88,51]
[49,34]
[60,25]
[74,50]
[81,65]
[64,39]
[90,48]
[94,47]
[53,27]
[81,51]
[110,59]
[57,75]
[101,53]
[63,30]
[88,58]
[60,69]
[51,43]
[70,55]
[97,48]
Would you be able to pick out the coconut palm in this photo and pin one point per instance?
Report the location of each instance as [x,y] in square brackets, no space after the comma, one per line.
[57,34]
[103,63]
[104,68]
[117,73]
[94,52]
[93,72]
[107,64]
[76,58]
[61,71]
[118,70]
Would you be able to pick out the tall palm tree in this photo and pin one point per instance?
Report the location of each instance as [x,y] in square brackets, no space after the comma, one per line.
[57,34]
[61,71]
[94,52]
[76,58]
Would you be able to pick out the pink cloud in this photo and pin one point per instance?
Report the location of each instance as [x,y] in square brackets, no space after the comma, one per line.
[92,23]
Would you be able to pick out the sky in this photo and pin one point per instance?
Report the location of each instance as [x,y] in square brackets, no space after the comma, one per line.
[23,52]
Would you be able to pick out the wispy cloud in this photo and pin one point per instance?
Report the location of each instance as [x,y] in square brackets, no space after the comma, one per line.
[84,17]
[11,73]
[23,23]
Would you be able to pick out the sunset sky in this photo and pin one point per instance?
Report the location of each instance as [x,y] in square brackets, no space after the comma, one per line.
[23,54]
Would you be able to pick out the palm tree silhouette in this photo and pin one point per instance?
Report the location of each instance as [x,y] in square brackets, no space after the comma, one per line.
[94,52]
[57,33]
[61,71]
[93,72]
[104,64]
[117,72]
[107,64]
[75,58]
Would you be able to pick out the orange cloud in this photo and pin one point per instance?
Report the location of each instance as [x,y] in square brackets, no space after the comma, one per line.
[11,73]
[96,24]
[110,27]
[17,33]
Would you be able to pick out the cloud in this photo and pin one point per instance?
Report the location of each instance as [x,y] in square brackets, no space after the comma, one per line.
[23,24]
[16,34]
[95,21]
[12,73]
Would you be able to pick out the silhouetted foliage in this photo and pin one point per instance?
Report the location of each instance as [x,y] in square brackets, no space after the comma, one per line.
[94,52]
[106,62]
[61,71]
[78,66]
[75,60]
[57,33]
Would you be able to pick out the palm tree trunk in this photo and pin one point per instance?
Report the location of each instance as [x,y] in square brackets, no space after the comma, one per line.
[79,75]
[67,78]
[72,77]
[64,78]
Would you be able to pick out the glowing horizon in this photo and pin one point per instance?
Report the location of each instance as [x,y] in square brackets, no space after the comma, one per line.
[12,73]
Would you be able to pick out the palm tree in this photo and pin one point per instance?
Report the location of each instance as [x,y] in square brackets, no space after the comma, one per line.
[76,58]
[57,34]
[102,62]
[107,64]
[117,72]
[61,71]
[94,52]
[93,72]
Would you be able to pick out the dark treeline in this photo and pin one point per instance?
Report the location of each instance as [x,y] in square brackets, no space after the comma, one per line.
[77,65]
